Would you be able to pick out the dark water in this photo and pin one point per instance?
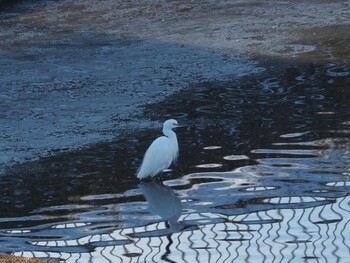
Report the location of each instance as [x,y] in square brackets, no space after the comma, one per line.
[263,176]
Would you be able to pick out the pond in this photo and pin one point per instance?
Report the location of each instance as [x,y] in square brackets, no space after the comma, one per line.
[263,175]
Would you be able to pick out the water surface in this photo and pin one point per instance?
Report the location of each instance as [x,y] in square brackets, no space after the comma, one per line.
[263,176]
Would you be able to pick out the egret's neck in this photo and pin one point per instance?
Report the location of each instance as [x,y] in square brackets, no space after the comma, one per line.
[170,134]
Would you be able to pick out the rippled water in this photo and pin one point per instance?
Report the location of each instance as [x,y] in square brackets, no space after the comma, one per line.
[263,176]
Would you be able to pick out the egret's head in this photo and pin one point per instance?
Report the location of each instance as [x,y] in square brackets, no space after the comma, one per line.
[170,124]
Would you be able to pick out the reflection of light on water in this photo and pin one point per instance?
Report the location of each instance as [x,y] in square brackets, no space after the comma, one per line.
[100,197]
[71,225]
[235,157]
[338,184]
[294,200]
[212,147]
[209,165]
[17,231]
[258,188]
[286,151]
[259,171]
[281,235]
[303,143]
[340,131]
[325,112]
[293,135]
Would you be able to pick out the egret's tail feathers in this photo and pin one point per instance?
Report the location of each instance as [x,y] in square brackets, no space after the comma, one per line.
[141,175]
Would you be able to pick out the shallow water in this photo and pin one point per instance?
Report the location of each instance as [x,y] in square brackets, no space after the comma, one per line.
[263,176]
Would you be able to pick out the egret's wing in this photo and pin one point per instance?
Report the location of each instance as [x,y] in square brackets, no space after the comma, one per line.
[157,158]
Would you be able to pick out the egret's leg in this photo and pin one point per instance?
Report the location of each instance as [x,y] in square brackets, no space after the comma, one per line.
[146,179]
[158,178]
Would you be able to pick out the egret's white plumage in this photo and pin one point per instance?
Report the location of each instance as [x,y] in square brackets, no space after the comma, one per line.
[161,153]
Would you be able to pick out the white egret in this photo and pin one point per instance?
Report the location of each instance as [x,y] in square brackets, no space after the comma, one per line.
[161,153]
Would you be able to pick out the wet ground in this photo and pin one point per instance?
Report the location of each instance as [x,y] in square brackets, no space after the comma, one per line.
[263,172]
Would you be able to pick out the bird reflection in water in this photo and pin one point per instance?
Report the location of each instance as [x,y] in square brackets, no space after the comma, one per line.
[163,201]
